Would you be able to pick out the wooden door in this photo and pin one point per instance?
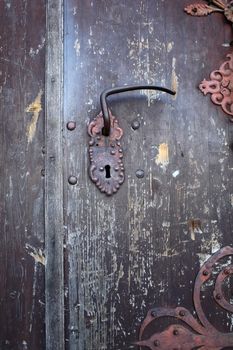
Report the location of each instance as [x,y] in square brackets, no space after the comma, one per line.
[143,246]
[81,270]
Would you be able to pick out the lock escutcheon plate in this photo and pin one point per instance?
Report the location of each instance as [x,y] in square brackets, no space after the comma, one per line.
[106,165]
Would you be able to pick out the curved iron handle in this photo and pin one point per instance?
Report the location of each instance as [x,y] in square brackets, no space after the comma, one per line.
[117,90]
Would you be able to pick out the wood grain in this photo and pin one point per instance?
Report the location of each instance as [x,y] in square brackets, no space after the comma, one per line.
[22,65]
[54,280]
[143,246]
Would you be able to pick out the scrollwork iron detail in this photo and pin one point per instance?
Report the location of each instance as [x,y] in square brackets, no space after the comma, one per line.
[193,333]
[201,9]
[220,86]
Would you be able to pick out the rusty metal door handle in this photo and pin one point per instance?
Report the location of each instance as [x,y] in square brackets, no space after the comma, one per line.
[117,90]
[106,166]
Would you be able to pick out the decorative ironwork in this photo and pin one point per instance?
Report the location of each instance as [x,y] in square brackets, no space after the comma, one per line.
[220,86]
[106,168]
[200,9]
[193,333]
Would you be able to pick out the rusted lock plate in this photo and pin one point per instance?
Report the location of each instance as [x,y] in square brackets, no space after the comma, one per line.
[106,166]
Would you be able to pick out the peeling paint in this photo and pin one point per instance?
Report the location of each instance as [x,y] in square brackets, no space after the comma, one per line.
[162,157]
[35,108]
[174,79]
[170,46]
[77,47]
[37,254]
[34,52]
[176,173]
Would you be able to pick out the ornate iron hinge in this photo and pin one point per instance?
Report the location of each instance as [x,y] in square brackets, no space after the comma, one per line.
[212,6]
[106,164]
[220,85]
[193,333]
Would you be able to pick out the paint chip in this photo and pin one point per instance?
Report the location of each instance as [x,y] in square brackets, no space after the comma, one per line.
[37,254]
[174,79]
[176,173]
[170,46]
[34,108]
[77,47]
[162,157]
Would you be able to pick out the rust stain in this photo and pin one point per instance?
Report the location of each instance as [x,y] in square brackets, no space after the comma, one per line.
[194,227]
[37,254]
[174,80]
[162,158]
[35,108]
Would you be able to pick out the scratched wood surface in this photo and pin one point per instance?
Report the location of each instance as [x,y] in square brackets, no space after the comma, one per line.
[143,246]
[22,41]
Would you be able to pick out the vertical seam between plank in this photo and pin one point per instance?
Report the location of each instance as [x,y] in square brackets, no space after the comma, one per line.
[54,235]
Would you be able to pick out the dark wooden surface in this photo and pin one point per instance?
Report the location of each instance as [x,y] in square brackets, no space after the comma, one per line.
[54,281]
[22,67]
[143,246]
[140,248]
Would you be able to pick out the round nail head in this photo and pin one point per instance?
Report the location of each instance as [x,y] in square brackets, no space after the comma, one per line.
[72,180]
[135,124]
[71,125]
[140,173]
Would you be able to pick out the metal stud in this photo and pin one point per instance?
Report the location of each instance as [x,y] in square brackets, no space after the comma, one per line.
[72,180]
[135,124]
[71,125]
[140,173]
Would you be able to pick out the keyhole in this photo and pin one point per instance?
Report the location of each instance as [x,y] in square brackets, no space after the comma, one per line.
[107,171]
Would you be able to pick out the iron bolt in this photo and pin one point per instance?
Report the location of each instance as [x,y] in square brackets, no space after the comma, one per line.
[101,169]
[42,172]
[218,296]
[140,173]
[226,272]
[71,125]
[53,80]
[175,332]
[72,180]
[113,152]
[205,273]
[135,124]
[156,342]
[153,313]
[182,313]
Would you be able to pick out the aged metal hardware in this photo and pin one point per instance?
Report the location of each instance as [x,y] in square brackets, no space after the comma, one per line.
[107,169]
[220,86]
[201,9]
[135,124]
[117,90]
[72,180]
[140,173]
[198,333]
[71,125]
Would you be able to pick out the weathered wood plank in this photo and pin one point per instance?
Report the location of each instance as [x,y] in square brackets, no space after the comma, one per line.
[22,65]
[140,247]
[54,286]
